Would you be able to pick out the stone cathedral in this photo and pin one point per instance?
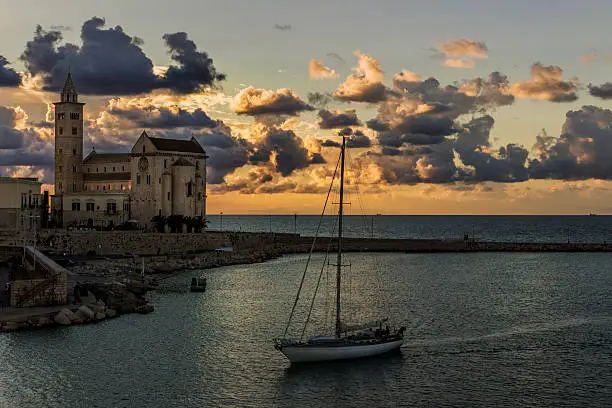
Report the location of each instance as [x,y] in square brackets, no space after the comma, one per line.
[158,177]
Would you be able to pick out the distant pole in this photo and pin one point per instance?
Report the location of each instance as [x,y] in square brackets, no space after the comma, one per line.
[221,214]
[568,235]
[473,234]
[372,231]
[295,223]
[270,223]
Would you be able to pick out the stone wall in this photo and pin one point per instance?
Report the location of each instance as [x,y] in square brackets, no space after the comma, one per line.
[122,242]
[39,292]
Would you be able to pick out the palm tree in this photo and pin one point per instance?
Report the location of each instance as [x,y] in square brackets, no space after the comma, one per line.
[175,222]
[159,222]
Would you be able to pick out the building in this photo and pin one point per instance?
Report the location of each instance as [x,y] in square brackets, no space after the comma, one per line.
[22,206]
[159,177]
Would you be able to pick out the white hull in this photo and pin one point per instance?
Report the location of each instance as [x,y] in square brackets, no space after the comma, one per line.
[321,352]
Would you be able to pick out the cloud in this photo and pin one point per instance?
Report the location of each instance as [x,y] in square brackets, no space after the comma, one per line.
[588,59]
[22,145]
[459,63]
[8,76]
[319,99]
[582,151]
[603,91]
[317,70]
[462,52]
[473,146]
[159,117]
[546,84]
[355,140]
[366,84]
[283,27]
[111,62]
[336,57]
[251,101]
[195,69]
[338,119]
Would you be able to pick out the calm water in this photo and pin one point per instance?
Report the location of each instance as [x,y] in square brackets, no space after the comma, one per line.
[507,330]
[531,228]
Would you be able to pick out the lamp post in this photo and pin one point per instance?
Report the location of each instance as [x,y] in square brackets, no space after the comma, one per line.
[221,215]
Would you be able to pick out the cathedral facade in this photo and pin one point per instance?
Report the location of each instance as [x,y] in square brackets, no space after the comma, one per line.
[158,177]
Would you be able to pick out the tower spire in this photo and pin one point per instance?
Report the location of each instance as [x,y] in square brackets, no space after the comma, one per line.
[69,93]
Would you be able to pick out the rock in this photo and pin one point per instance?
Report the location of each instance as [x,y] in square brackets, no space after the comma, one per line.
[61,318]
[44,321]
[100,316]
[85,313]
[70,315]
[111,313]
[9,327]
[144,309]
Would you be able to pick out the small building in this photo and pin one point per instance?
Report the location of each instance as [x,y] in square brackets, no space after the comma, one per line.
[22,206]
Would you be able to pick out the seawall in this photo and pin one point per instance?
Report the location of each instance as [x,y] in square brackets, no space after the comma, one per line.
[123,242]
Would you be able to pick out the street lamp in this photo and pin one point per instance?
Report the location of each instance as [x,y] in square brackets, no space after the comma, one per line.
[221,214]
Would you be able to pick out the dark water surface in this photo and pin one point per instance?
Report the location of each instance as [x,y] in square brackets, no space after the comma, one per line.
[498,228]
[506,330]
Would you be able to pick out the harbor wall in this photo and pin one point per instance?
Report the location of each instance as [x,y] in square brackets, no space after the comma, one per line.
[134,242]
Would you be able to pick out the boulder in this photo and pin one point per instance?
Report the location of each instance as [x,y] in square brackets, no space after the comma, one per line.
[85,313]
[61,318]
[70,315]
[44,321]
[9,326]
[111,313]
[100,316]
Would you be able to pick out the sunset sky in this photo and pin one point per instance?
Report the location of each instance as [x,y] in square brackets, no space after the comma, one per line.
[454,107]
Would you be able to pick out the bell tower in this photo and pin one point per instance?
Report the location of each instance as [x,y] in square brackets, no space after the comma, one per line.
[68,141]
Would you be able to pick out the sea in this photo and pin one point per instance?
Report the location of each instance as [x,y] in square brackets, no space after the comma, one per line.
[483,329]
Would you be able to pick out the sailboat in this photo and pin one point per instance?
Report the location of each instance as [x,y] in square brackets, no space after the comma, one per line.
[348,341]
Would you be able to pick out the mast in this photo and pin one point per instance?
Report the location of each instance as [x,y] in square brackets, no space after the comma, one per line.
[339,260]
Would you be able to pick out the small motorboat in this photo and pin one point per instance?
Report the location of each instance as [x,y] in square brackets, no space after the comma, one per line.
[198,284]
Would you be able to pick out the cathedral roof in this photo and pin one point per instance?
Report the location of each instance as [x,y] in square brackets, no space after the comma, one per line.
[95,157]
[176,145]
[182,162]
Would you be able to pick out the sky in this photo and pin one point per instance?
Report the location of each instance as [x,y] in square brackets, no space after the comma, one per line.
[471,107]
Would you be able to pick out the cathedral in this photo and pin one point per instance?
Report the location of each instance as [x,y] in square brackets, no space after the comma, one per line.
[159,177]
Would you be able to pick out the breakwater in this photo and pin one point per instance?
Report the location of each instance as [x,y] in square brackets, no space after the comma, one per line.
[122,242]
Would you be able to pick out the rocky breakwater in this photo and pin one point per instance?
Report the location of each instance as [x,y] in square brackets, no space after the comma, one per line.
[94,302]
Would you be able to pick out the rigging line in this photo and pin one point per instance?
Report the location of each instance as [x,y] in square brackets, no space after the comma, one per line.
[314,296]
[297,297]
[379,279]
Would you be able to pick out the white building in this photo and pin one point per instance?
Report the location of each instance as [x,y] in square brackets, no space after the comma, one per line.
[22,206]
[159,177]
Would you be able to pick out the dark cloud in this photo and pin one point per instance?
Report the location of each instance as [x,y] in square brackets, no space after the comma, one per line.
[336,57]
[8,76]
[226,154]
[283,27]
[60,28]
[319,99]
[473,148]
[330,143]
[111,62]
[338,119]
[289,151]
[252,101]
[582,151]
[164,118]
[23,147]
[194,70]
[603,91]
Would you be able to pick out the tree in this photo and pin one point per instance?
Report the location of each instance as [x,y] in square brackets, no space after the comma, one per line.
[175,222]
[159,222]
